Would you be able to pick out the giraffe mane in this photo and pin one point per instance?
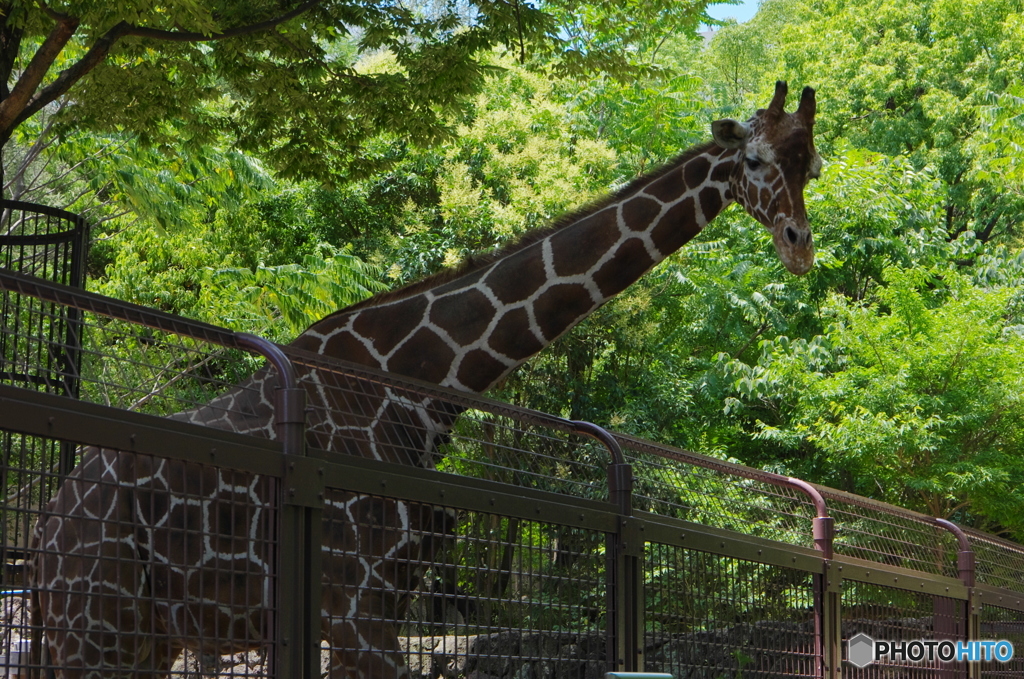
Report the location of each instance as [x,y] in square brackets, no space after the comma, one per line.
[475,262]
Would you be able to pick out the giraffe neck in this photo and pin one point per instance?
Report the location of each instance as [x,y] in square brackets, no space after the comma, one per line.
[471,331]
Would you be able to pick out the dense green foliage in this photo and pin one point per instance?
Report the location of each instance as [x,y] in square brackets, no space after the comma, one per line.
[285,77]
[894,369]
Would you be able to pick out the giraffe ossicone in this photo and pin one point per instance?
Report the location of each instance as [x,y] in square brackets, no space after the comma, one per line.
[114,564]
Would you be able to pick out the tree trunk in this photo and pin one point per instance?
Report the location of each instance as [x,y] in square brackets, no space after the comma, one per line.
[10,43]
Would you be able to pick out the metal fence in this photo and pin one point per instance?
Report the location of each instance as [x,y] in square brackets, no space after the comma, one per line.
[49,244]
[244,509]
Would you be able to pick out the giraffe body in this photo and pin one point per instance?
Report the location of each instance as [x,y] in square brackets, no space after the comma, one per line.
[118,523]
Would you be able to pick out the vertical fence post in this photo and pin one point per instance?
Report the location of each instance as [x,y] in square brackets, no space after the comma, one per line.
[828,631]
[828,590]
[73,349]
[966,615]
[295,616]
[625,552]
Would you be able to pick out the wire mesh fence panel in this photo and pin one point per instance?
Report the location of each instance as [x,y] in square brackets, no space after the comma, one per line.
[1003,624]
[998,562]
[417,587]
[143,566]
[487,445]
[440,593]
[141,360]
[697,488]
[879,532]
[26,490]
[161,373]
[365,413]
[715,617]
[894,615]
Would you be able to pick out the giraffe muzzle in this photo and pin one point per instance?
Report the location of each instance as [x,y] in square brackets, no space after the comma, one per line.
[795,246]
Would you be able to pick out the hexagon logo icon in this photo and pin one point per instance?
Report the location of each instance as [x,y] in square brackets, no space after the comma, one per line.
[860,650]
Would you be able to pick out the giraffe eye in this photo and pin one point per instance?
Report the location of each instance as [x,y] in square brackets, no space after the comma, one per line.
[753,163]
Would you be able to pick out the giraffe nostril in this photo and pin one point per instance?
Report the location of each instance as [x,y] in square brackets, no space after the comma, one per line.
[791,235]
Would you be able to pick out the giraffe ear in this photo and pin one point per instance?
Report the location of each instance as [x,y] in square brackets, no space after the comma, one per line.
[807,106]
[729,133]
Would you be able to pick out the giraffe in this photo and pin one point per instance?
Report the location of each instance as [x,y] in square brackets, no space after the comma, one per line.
[113,566]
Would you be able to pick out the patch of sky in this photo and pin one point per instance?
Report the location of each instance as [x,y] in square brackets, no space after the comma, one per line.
[740,12]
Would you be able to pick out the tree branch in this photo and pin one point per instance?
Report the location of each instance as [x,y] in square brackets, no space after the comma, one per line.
[68,77]
[186,36]
[33,75]
[41,143]
[17,114]
[746,345]
[519,32]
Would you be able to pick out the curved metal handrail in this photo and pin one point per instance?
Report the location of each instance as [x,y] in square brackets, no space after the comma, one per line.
[42,209]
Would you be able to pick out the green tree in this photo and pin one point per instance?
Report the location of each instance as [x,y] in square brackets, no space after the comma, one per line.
[265,268]
[914,78]
[647,121]
[914,398]
[740,61]
[284,77]
[518,163]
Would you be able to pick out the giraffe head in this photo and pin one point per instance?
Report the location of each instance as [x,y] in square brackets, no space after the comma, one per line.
[775,159]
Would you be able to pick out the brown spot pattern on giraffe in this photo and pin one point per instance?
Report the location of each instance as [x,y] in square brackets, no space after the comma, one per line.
[425,357]
[478,370]
[390,324]
[639,212]
[572,255]
[630,261]
[512,336]
[696,171]
[675,228]
[307,342]
[346,346]
[722,172]
[460,282]
[710,202]
[517,277]
[559,306]
[401,434]
[463,315]
[667,188]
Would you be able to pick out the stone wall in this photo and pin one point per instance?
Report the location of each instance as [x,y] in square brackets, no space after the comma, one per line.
[508,655]
[763,649]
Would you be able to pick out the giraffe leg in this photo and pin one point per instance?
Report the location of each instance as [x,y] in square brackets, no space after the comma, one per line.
[89,633]
[374,553]
[36,658]
[90,589]
[364,647]
[163,657]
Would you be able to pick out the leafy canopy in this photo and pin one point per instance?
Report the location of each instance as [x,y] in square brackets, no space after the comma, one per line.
[283,76]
